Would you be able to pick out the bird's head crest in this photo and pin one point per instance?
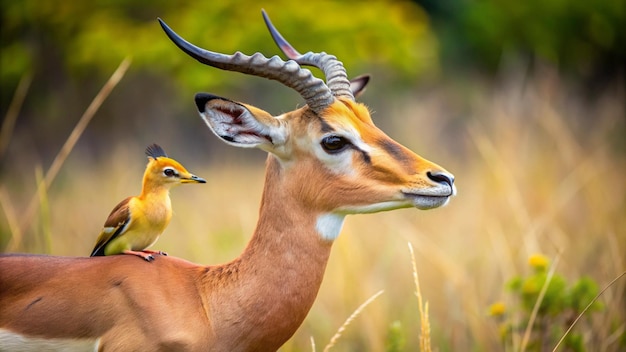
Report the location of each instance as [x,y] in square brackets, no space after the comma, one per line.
[154,151]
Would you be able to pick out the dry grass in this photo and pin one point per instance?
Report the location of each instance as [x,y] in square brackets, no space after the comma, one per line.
[44,182]
[424,337]
[556,347]
[342,328]
[537,170]
[8,124]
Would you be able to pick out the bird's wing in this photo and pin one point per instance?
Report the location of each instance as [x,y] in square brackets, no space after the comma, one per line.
[115,225]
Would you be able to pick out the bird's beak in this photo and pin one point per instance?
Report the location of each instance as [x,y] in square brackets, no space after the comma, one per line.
[192,179]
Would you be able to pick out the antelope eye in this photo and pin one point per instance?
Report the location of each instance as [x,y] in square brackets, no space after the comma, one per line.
[334,144]
[169,172]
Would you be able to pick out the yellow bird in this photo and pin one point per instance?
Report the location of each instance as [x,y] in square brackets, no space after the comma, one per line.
[136,223]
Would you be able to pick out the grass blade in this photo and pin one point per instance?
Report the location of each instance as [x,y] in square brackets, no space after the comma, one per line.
[585,310]
[542,293]
[424,338]
[9,213]
[71,142]
[14,108]
[337,335]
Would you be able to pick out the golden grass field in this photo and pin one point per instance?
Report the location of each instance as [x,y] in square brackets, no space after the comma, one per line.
[538,170]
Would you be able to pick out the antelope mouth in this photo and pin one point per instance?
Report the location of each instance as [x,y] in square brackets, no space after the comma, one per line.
[428,201]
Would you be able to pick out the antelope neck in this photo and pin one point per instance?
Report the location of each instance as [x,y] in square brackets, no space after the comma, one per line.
[273,284]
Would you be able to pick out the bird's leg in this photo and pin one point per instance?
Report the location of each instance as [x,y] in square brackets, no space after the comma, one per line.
[154,252]
[147,256]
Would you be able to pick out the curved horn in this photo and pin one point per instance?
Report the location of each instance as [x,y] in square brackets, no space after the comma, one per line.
[314,91]
[336,76]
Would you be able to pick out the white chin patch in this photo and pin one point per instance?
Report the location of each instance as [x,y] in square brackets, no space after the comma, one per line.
[376,207]
[329,225]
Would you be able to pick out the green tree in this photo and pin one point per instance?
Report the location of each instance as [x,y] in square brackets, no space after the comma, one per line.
[79,38]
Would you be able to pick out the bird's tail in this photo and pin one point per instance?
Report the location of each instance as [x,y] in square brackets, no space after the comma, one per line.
[98,252]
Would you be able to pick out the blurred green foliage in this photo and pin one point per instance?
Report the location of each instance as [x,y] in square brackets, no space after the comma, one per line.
[84,38]
[69,44]
[396,340]
[585,39]
[558,309]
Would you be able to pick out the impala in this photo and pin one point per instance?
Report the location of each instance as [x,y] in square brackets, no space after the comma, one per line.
[326,160]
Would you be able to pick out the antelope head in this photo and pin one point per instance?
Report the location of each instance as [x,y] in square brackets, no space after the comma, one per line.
[328,154]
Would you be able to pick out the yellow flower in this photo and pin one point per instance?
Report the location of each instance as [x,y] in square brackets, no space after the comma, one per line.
[539,261]
[497,309]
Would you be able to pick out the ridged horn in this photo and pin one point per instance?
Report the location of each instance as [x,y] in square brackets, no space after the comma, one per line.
[336,76]
[315,92]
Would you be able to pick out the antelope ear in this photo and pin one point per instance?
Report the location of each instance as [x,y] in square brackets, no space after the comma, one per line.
[358,84]
[240,125]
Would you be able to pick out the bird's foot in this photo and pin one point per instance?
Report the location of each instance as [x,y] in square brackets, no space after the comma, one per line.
[154,252]
[143,254]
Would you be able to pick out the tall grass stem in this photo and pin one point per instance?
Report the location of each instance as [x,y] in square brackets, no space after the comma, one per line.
[337,335]
[424,338]
[585,310]
[542,293]
[9,213]
[71,142]
[6,131]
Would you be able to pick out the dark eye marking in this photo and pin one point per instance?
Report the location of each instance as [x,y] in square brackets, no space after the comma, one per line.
[394,150]
[326,128]
[334,144]
[366,157]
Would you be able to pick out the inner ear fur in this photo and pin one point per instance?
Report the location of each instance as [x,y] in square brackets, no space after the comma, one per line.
[238,124]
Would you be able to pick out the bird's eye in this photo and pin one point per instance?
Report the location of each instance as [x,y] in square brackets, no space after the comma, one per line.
[334,144]
[169,172]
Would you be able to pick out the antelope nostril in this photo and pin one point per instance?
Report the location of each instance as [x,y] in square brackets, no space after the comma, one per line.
[441,177]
